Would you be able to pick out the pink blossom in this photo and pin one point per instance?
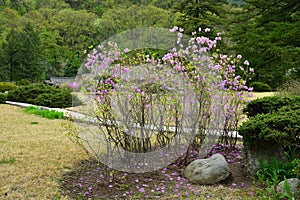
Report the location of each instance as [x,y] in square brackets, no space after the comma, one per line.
[126,50]
[239,56]
[73,85]
[174,29]
[251,70]
[148,106]
[246,62]
[207,30]
[142,190]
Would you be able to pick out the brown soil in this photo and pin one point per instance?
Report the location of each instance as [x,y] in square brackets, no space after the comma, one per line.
[92,180]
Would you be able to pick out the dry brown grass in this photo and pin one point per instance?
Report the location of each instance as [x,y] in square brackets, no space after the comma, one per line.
[42,153]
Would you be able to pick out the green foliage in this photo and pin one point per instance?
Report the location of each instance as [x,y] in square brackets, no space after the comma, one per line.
[296,169]
[42,95]
[23,82]
[3,97]
[199,13]
[7,161]
[22,52]
[121,19]
[260,87]
[266,33]
[50,114]
[6,86]
[275,119]
[40,39]
[281,127]
[272,173]
[44,41]
[275,170]
[271,104]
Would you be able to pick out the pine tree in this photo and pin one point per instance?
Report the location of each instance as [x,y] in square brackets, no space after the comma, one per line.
[266,33]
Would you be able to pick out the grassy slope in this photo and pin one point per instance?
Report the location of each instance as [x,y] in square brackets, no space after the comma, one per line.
[42,152]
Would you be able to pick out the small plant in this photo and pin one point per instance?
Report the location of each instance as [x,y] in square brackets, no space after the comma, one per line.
[7,161]
[50,114]
[34,123]
[273,172]
[287,189]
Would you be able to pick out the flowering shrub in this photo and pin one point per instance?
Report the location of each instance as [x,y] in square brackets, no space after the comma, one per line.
[143,103]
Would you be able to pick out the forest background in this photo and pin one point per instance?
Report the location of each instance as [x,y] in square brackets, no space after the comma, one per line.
[44,38]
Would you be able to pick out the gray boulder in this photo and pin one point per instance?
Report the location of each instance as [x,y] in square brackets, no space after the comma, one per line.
[208,171]
[294,186]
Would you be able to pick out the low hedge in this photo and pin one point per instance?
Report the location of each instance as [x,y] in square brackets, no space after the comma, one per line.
[282,127]
[43,95]
[260,87]
[270,104]
[6,86]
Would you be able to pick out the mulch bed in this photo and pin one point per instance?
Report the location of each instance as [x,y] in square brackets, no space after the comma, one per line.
[93,180]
